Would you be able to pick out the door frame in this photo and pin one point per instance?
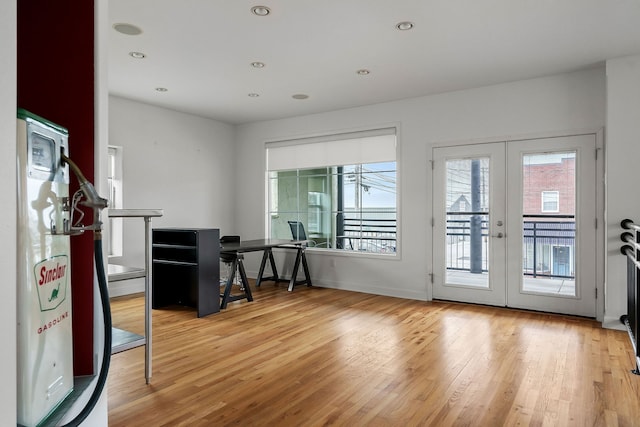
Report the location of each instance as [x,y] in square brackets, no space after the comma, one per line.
[599,196]
[583,303]
[496,249]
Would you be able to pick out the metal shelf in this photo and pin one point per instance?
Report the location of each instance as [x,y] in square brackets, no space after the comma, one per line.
[124,340]
[120,272]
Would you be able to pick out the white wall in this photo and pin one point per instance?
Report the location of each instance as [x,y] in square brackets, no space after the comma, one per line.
[173,161]
[161,146]
[623,152]
[573,101]
[8,40]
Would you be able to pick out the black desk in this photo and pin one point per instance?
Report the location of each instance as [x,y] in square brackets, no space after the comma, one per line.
[266,246]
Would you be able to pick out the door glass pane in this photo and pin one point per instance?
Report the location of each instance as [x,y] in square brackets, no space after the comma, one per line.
[548,223]
[467,203]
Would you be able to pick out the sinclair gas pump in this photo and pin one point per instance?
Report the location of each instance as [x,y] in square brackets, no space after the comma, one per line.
[45,223]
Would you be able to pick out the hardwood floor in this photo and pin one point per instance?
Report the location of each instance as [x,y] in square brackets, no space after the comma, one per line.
[318,356]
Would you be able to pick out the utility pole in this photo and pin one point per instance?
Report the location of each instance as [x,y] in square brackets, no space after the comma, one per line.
[358,188]
[475,220]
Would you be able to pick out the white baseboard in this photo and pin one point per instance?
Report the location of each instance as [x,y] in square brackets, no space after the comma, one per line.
[610,322]
[356,287]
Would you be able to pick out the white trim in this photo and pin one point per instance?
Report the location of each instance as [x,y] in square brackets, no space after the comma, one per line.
[518,137]
[115,243]
[601,259]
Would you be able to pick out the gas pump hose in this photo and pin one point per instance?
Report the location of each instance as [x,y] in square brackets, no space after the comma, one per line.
[106,315]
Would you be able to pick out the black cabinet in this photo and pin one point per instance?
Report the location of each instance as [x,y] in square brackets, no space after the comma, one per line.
[186,268]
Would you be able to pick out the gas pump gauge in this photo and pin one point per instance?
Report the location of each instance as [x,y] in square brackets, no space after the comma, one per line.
[42,154]
[43,160]
[42,157]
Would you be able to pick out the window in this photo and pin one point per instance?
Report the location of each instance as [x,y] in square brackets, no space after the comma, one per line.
[342,189]
[550,201]
[114,180]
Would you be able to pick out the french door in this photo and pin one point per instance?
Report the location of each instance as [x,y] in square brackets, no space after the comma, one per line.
[515,224]
[469,223]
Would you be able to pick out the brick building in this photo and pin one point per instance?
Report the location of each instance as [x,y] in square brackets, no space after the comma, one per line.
[549,184]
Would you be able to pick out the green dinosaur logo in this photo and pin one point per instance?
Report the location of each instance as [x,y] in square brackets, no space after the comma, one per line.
[54,293]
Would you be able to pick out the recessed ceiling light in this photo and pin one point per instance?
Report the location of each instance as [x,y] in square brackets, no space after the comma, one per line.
[161,89]
[128,29]
[300,96]
[404,26]
[258,64]
[363,72]
[253,95]
[260,10]
[137,55]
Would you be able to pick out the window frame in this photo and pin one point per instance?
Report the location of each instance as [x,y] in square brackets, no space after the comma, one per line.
[115,242]
[556,193]
[333,208]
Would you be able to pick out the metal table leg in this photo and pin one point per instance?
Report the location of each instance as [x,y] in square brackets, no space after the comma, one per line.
[147,302]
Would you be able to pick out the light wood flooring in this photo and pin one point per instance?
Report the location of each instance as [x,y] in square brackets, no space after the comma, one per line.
[317,356]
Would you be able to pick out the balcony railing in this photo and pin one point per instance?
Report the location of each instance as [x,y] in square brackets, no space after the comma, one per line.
[548,244]
[459,241]
[368,235]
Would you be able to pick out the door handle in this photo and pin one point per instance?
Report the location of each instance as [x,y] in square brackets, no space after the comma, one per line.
[498,236]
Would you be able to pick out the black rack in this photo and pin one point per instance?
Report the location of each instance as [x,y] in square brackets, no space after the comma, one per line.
[186,268]
[631,249]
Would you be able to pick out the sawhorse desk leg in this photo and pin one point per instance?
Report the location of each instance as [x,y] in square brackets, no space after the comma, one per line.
[300,257]
[226,296]
[267,254]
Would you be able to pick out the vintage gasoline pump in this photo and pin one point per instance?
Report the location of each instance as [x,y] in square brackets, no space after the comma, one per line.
[47,217]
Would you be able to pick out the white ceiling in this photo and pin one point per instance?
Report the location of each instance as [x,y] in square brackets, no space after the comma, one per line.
[202,50]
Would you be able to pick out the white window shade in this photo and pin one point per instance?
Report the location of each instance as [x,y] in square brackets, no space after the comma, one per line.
[346,149]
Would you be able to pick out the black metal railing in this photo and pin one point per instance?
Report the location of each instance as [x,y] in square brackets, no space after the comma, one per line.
[459,241]
[631,249]
[548,244]
[368,235]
